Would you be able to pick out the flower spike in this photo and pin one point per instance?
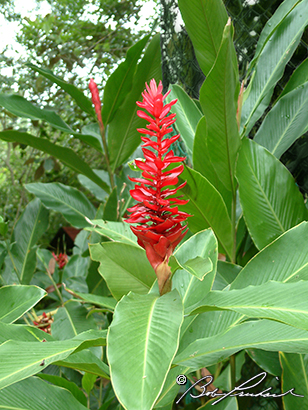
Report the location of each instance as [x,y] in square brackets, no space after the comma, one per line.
[159,228]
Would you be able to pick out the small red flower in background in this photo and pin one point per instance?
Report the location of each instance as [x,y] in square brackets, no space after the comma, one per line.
[160,222]
[44,322]
[61,259]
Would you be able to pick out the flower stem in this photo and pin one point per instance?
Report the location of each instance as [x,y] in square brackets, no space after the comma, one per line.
[111,178]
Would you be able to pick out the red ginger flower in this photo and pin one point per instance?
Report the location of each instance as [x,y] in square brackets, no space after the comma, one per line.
[96,101]
[160,229]
[61,259]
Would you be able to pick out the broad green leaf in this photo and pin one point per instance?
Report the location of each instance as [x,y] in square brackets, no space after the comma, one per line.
[16,300]
[91,135]
[65,155]
[120,82]
[268,361]
[206,325]
[33,357]
[88,381]
[70,202]
[271,26]
[260,334]
[204,21]
[187,116]
[142,324]
[86,361]
[99,193]
[110,212]
[70,320]
[271,64]
[171,388]
[284,260]
[29,228]
[285,302]
[203,164]
[298,78]
[116,231]
[230,403]
[124,267]
[267,184]
[102,301]
[66,384]
[226,273]
[294,376]
[21,333]
[207,207]
[123,138]
[203,245]
[218,98]
[35,394]
[285,123]
[83,102]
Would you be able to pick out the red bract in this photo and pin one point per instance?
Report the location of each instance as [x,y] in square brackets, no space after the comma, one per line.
[96,101]
[61,259]
[160,222]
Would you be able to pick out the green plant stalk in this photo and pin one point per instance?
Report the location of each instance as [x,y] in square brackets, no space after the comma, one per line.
[232,366]
[55,286]
[106,156]
[233,227]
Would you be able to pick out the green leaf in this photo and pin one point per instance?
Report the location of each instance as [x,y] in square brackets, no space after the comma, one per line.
[96,190]
[85,361]
[119,84]
[267,184]
[229,404]
[294,376]
[70,320]
[284,260]
[268,361]
[65,155]
[32,357]
[83,102]
[35,394]
[271,26]
[285,302]
[3,228]
[110,208]
[20,107]
[31,225]
[298,78]
[21,333]
[88,381]
[271,64]
[123,138]
[187,116]
[202,245]
[203,164]
[285,123]
[218,98]
[102,301]
[226,273]
[116,231]
[260,334]
[16,300]
[207,207]
[204,21]
[133,270]
[142,324]
[62,382]
[70,202]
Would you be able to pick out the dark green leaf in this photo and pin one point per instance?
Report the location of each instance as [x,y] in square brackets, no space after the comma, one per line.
[73,204]
[65,155]
[267,184]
